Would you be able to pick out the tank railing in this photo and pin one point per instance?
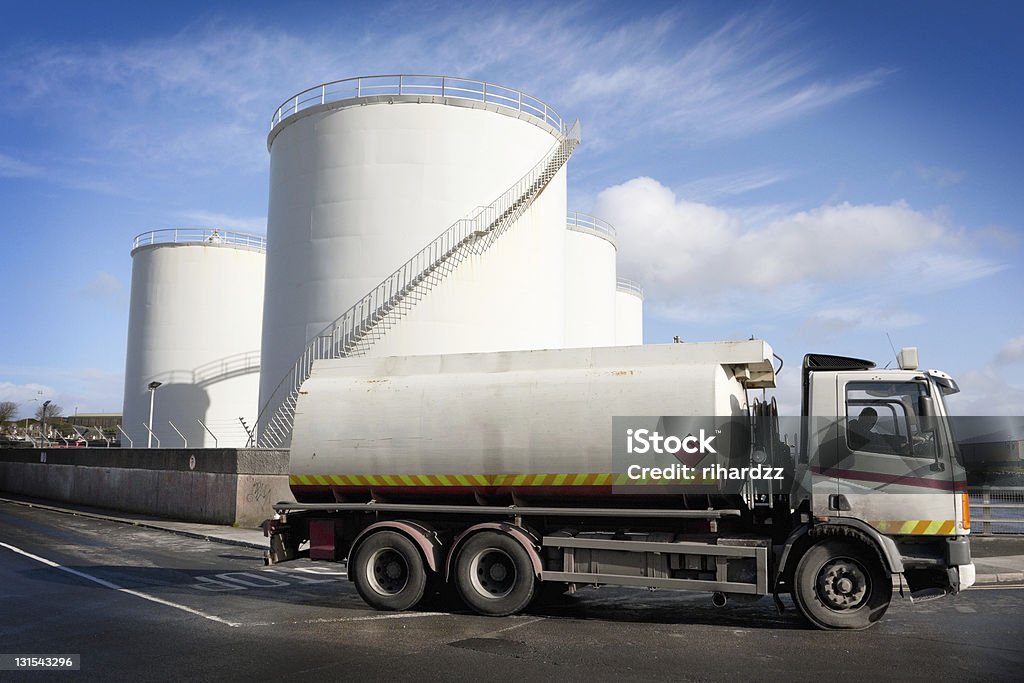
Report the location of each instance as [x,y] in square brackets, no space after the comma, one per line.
[446,87]
[198,235]
[236,365]
[623,284]
[343,336]
[586,223]
[214,371]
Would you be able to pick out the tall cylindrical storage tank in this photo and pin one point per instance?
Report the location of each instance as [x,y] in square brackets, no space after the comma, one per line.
[589,282]
[365,172]
[629,312]
[194,326]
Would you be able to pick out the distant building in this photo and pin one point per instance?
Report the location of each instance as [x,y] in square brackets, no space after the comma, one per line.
[99,420]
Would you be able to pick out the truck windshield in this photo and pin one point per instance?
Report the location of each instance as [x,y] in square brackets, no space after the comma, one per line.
[891,418]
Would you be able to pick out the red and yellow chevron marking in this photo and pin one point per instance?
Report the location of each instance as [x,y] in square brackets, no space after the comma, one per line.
[917,527]
[476,480]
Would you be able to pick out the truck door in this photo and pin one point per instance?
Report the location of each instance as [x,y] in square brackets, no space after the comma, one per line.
[816,470]
[892,467]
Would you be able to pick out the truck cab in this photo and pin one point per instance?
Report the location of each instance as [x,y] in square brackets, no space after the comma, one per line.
[879,456]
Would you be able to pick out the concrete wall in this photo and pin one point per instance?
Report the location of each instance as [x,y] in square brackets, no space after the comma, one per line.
[224,485]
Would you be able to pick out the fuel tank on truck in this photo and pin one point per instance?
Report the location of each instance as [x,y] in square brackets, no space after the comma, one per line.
[496,428]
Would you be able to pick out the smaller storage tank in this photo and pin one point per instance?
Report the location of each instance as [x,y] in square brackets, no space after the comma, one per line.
[193,327]
[589,281]
[629,312]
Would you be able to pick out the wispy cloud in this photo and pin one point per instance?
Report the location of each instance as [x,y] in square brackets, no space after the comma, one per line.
[939,176]
[743,76]
[213,219]
[104,287]
[716,187]
[987,390]
[1012,351]
[199,101]
[16,168]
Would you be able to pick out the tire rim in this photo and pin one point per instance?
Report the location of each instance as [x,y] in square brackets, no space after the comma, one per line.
[387,572]
[842,584]
[493,573]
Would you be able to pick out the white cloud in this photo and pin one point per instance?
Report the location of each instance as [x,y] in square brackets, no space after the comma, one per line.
[88,389]
[15,168]
[213,219]
[745,75]
[716,187]
[27,396]
[199,101]
[880,316]
[104,287]
[1012,352]
[939,176]
[985,391]
[701,262]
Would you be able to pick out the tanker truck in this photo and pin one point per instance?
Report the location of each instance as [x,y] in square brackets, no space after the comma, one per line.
[505,477]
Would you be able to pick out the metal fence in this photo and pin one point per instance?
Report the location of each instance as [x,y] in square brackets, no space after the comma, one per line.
[592,225]
[997,509]
[629,286]
[200,235]
[419,85]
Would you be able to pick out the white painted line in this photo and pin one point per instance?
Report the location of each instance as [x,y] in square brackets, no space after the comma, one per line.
[377,617]
[515,626]
[371,617]
[114,586]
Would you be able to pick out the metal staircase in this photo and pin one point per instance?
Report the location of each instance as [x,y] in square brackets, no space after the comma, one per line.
[355,331]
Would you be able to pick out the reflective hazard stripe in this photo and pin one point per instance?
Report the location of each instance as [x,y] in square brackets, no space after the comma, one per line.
[471,480]
[915,527]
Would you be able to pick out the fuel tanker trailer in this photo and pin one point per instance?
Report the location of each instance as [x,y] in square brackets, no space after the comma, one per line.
[514,475]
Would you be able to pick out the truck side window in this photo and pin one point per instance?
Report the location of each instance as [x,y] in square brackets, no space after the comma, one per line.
[882,417]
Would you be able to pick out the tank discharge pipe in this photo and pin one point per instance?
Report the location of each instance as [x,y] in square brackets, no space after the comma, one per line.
[718,599]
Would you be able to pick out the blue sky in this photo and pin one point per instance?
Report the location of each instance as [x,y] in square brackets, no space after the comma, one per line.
[817,174]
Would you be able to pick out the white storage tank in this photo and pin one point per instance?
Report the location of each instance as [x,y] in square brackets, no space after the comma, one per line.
[194,326]
[589,282]
[365,172]
[629,312]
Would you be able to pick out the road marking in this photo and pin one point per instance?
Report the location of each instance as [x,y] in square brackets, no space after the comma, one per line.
[121,589]
[996,588]
[514,626]
[231,581]
[371,617]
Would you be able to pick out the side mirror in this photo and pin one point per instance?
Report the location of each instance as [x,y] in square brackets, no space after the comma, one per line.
[926,407]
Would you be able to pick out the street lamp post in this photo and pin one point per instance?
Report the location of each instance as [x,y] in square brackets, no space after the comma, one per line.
[152,396]
[42,437]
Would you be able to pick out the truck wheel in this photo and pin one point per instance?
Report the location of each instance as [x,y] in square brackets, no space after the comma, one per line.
[841,584]
[494,574]
[388,571]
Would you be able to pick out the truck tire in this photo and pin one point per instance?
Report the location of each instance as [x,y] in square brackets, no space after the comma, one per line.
[388,571]
[494,574]
[840,584]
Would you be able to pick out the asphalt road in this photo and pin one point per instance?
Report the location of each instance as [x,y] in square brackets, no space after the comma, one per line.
[143,604]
